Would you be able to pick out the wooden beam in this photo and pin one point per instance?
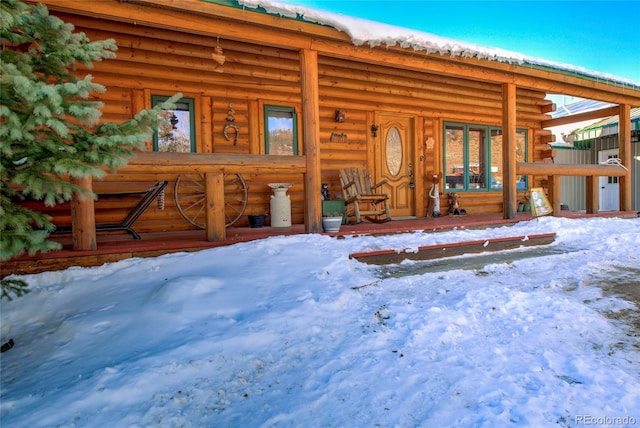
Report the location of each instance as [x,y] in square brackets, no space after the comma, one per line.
[206,127]
[311,137]
[555,193]
[550,138]
[254,127]
[548,108]
[509,191]
[83,219]
[590,115]
[625,154]
[214,202]
[138,98]
[584,170]
[213,162]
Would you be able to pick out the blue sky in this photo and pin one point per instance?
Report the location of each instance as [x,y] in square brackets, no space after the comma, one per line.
[601,36]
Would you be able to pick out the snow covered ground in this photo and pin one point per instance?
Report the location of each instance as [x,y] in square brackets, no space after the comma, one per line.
[288,331]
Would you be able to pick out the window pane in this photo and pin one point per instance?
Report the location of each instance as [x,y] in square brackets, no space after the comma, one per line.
[281,135]
[473,157]
[521,156]
[496,159]
[394,151]
[175,131]
[454,162]
[477,158]
[613,180]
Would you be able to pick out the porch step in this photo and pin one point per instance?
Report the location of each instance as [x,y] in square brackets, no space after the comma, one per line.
[430,252]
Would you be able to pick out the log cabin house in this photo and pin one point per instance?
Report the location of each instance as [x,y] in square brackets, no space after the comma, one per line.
[404,110]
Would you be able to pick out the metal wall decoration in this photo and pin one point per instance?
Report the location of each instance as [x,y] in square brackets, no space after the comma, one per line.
[231,118]
[338,138]
[231,114]
[218,57]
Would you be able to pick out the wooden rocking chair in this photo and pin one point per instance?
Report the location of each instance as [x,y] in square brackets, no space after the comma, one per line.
[357,189]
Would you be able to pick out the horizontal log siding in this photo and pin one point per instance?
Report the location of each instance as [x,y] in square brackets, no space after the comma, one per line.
[423,94]
[348,146]
[165,62]
[357,88]
[540,150]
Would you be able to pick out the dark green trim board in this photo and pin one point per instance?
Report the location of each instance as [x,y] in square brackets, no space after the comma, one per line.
[183,104]
[284,112]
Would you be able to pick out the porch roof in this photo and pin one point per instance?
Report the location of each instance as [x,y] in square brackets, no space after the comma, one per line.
[371,33]
[607,126]
[303,29]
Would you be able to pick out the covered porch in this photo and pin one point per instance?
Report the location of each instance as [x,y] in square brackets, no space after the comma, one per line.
[117,246]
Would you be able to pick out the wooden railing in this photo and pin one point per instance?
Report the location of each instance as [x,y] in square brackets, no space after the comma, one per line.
[211,165]
[590,172]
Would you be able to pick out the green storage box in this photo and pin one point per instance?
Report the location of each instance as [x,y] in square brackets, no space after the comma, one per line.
[330,207]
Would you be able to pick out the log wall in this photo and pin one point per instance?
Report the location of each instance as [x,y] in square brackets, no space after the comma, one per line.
[163,62]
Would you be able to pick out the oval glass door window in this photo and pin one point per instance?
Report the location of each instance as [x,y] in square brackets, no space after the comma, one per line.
[394,151]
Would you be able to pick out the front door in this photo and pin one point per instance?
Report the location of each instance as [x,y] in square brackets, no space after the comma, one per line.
[394,161]
[609,192]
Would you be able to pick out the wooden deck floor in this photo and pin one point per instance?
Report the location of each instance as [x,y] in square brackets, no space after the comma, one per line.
[119,246]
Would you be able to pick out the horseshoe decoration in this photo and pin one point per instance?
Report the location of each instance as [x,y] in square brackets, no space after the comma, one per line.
[226,134]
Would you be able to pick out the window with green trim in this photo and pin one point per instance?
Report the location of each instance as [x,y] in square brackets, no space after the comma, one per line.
[281,130]
[176,130]
[473,157]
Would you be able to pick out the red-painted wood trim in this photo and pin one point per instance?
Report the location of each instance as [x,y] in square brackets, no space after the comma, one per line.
[530,239]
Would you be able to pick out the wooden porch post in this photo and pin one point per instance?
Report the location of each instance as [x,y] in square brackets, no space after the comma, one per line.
[83,217]
[592,189]
[624,152]
[509,191]
[555,194]
[206,113]
[214,200]
[311,137]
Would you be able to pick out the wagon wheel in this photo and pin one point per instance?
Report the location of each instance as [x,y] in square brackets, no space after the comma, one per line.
[189,195]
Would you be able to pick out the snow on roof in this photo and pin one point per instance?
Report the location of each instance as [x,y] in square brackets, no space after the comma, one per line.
[366,32]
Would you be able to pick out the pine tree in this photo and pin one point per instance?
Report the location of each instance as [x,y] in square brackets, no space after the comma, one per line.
[50,130]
